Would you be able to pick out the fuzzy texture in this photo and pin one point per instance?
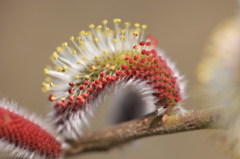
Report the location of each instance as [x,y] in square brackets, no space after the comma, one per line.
[22,135]
[219,78]
[113,61]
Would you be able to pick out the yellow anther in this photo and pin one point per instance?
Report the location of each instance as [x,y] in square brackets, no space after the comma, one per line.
[112,67]
[48,79]
[123,31]
[137,25]
[127,24]
[105,52]
[59,69]
[51,84]
[72,38]
[122,37]
[87,76]
[144,26]
[78,62]
[59,49]
[64,67]
[81,42]
[135,33]
[95,39]
[116,20]
[81,33]
[77,77]
[44,90]
[107,65]
[74,52]
[47,88]
[91,26]
[64,44]
[54,53]
[55,58]
[114,40]
[104,21]
[84,58]
[92,67]
[43,84]
[52,98]
[107,29]
[62,99]
[45,71]
[136,47]
[78,38]
[99,27]
[122,56]
[96,57]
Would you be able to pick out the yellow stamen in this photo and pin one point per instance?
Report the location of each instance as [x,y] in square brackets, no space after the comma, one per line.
[137,25]
[114,40]
[77,77]
[95,39]
[72,38]
[59,69]
[43,84]
[54,53]
[104,21]
[74,52]
[64,44]
[116,20]
[45,71]
[59,49]
[84,58]
[112,67]
[81,42]
[127,24]
[144,26]
[91,26]
[48,79]
[51,84]
[105,52]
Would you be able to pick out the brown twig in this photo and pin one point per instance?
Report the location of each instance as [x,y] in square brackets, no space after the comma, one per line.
[150,125]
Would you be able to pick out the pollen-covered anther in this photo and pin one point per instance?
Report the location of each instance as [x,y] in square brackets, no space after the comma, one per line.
[135,33]
[92,67]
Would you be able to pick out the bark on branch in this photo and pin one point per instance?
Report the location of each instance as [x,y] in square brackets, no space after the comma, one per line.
[150,125]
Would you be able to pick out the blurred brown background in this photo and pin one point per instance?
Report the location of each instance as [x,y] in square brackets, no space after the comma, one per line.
[30,30]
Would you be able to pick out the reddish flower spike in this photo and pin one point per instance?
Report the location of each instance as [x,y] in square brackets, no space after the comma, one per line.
[17,132]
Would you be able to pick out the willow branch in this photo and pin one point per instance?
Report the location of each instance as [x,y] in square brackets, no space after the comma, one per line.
[150,125]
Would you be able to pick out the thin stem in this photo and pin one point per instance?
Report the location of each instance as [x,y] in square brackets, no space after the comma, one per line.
[150,125]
